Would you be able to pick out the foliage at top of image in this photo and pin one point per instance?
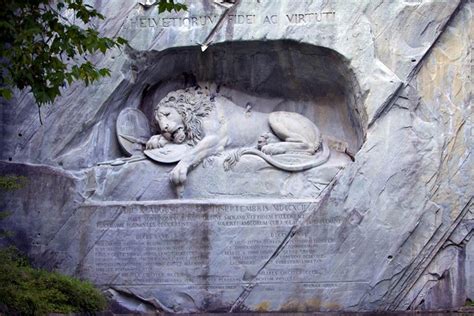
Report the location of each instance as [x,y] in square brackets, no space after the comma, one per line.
[28,291]
[45,45]
[169,5]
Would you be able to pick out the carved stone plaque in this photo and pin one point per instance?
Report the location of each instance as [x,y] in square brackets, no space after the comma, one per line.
[220,250]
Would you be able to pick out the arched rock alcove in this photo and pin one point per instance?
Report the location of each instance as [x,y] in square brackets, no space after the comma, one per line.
[267,76]
[257,76]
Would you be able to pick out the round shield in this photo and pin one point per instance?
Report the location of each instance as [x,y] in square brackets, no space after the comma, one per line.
[133,130]
[169,153]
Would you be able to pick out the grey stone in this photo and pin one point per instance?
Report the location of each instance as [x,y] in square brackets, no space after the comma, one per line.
[387,82]
[469,273]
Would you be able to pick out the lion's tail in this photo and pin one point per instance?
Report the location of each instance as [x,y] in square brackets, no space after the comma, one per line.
[234,157]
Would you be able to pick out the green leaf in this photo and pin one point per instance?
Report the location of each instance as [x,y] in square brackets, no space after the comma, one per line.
[6,93]
[104,72]
[121,41]
[169,5]
[43,51]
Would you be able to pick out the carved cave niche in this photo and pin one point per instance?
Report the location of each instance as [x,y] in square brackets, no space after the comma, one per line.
[267,76]
[262,76]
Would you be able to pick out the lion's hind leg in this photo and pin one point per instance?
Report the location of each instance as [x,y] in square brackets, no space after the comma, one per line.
[298,134]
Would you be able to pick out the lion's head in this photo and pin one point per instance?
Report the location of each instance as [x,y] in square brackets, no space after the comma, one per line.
[180,113]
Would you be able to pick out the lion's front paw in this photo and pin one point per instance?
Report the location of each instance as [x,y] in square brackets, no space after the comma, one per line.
[179,173]
[156,141]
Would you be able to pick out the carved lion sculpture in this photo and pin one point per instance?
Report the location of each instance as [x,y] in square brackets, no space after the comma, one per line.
[212,124]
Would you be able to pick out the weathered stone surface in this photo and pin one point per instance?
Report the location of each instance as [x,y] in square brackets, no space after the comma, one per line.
[46,201]
[469,269]
[390,231]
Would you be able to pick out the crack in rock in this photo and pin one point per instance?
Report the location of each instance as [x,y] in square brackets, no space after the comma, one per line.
[291,233]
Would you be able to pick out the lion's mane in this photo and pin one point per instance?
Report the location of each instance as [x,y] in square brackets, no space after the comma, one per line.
[193,104]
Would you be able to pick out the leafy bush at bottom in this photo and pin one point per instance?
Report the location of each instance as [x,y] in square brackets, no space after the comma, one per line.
[28,291]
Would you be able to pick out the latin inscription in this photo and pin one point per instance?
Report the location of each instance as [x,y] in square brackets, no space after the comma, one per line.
[162,244]
[301,18]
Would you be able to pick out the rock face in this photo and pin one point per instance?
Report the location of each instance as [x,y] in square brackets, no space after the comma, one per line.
[383,225]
